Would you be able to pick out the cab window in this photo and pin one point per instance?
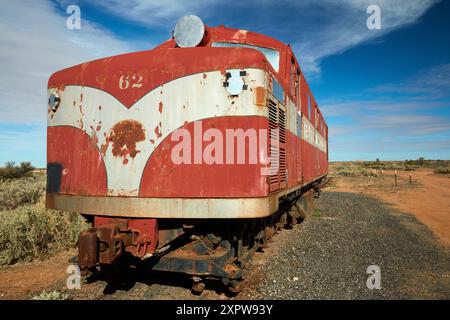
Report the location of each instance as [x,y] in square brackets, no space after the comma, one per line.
[273,56]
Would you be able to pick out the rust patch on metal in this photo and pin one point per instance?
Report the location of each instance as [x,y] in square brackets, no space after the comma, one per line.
[124,136]
[160,108]
[260,96]
[94,138]
[80,123]
[158,131]
[205,76]
[99,107]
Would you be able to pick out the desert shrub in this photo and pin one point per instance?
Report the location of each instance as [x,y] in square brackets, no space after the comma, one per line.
[11,171]
[354,170]
[441,170]
[367,173]
[346,172]
[15,192]
[53,295]
[31,231]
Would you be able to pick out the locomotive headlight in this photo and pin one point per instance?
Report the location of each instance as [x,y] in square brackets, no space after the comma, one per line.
[189,31]
[53,101]
[234,82]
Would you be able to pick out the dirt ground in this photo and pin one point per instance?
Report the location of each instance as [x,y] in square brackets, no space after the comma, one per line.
[427,197]
[23,280]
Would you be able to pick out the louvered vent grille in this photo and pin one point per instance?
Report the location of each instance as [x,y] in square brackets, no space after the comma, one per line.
[277,120]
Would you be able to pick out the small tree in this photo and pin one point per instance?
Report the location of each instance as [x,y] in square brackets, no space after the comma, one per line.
[11,171]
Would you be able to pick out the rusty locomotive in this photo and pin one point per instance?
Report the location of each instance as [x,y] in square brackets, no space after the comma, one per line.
[187,157]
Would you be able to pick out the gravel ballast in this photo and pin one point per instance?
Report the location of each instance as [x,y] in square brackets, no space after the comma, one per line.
[324,257]
[327,255]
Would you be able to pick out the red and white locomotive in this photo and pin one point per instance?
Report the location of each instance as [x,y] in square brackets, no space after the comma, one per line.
[166,151]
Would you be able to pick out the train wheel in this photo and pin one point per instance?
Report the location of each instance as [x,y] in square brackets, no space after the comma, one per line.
[234,287]
[198,285]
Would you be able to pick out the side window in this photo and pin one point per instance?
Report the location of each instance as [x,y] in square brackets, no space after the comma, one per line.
[316,118]
[299,124]
[294,79]
[309,107]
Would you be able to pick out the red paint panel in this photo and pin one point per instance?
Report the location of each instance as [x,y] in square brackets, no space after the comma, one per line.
[163,178]
[129,77]
[291,158]
[223,34]
[83,171]
[299,160]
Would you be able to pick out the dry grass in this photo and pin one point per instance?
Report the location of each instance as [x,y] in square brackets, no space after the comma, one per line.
[16,192]
[27,229]
[53,295]
[441,170]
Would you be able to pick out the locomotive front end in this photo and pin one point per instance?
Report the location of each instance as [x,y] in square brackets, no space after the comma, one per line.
[149,145]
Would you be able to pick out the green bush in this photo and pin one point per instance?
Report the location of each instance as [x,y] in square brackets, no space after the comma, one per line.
[11,171]
[441,170]
[31,231]
[15,192]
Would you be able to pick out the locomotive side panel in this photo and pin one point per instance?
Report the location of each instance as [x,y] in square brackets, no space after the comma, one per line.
[162,143]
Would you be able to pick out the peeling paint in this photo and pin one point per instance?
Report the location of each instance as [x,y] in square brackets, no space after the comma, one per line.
[124,136]
[158,132]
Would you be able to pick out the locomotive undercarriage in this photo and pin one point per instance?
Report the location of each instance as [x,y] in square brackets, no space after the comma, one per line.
[215,249]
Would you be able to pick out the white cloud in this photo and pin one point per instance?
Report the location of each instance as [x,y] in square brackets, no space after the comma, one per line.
[317,29]
[345,26]
[434,83]
[35,43]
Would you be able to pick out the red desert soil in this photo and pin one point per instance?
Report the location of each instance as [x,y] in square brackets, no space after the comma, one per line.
[20,280]
[428,199]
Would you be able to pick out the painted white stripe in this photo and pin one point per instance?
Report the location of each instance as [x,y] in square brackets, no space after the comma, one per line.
[312,135]
[188,99]
[309,133]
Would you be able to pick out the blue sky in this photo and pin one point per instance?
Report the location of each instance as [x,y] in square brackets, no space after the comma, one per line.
[385,93]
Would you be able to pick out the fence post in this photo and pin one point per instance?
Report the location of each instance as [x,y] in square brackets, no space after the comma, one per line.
[395,176]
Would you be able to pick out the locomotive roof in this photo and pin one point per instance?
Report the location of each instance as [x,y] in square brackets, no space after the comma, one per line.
[225,34]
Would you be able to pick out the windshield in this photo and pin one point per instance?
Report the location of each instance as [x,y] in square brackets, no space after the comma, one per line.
[273,56]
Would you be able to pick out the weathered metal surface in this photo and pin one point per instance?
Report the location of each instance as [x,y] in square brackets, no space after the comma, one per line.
[198,258]
[192,208]
[111,237]
[162,207]
[88,249]
[180,106]
[109,152]
[110,134]
[124,136]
